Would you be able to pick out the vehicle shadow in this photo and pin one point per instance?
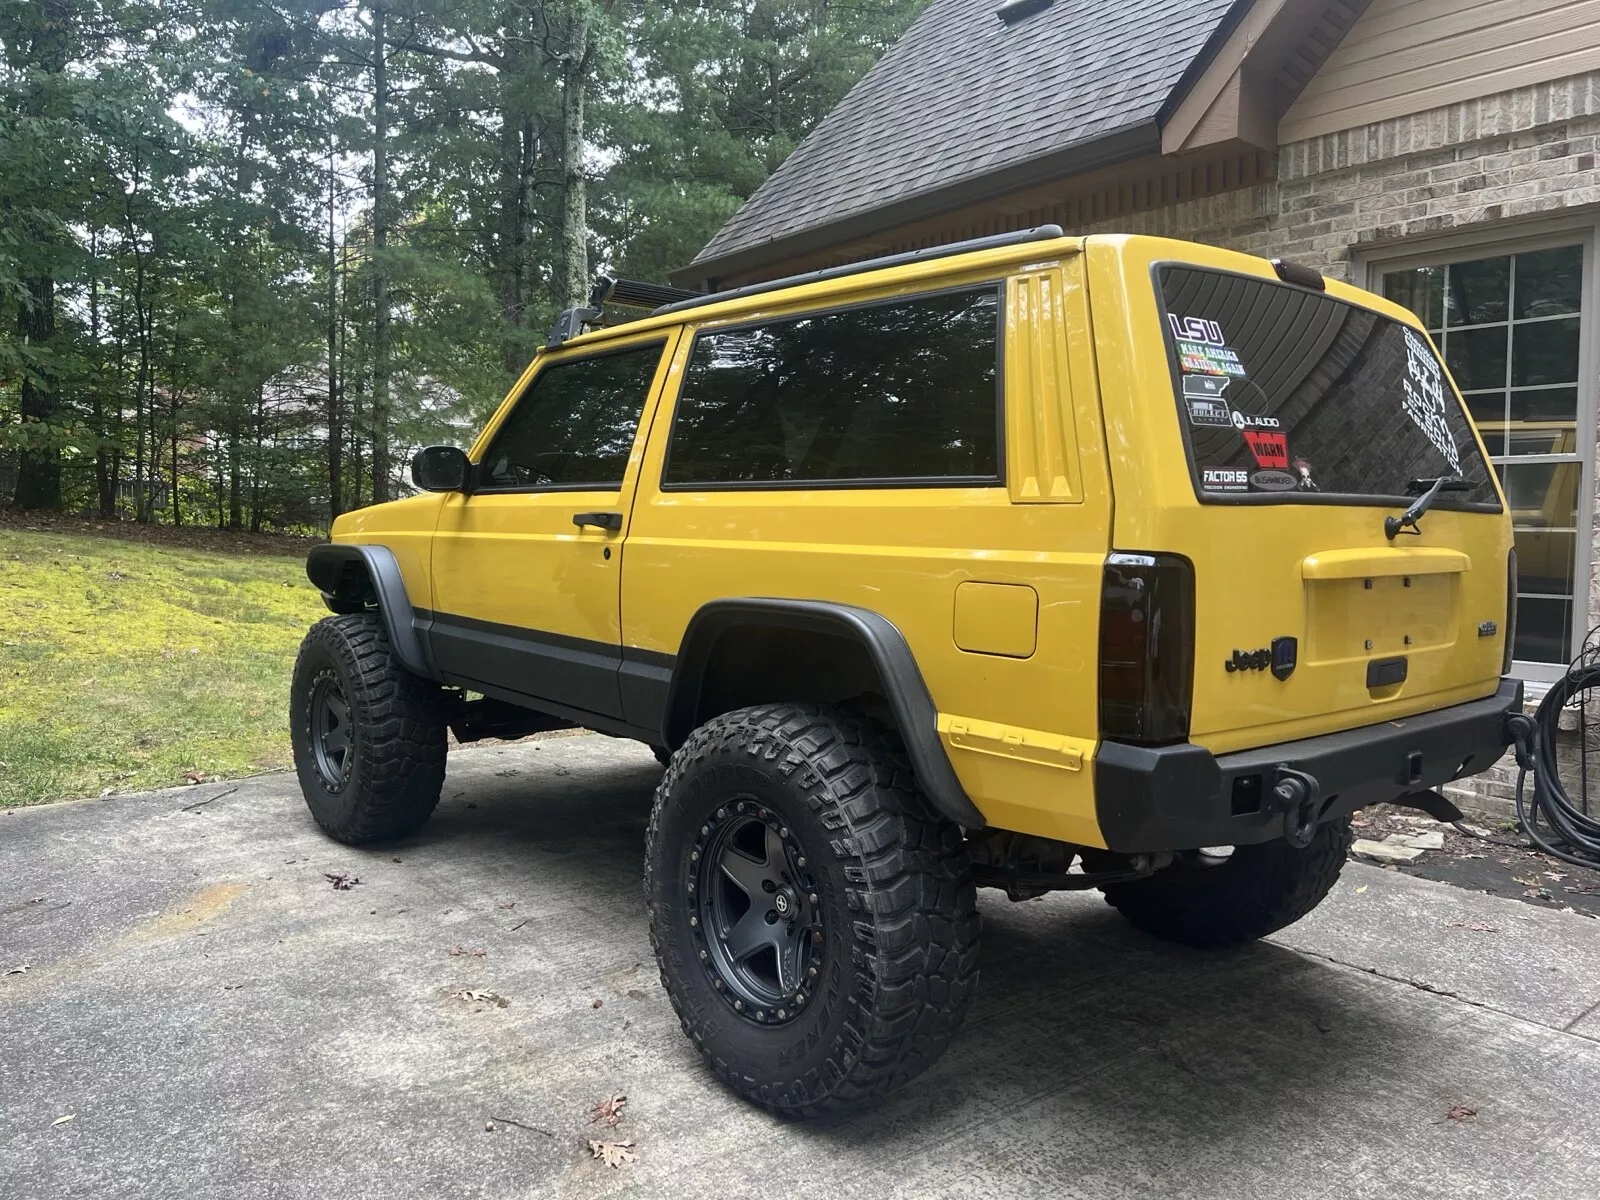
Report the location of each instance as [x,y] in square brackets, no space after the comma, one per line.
[1084,1030]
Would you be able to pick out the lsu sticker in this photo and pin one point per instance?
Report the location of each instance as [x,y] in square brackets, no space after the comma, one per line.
[1271,449]
[1219,479]
[1203,396]
[1425,403]
[1202,350]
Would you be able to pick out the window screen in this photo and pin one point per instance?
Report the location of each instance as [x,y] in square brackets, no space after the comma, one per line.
[904,392]
[1292,396]
[574,425]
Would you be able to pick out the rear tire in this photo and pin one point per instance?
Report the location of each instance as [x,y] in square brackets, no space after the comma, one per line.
[1258,890]
[868,957]
[369,737]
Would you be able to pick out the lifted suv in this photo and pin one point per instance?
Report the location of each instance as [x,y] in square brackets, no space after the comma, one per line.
[1034,563]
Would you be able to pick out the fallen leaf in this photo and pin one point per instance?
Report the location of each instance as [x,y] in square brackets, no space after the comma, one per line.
[341,881]
[1556,875]
[613,1154]
[1361,889]
[1528,882]
[598,1003]
[63,1120]
[18,970]
[479,996]
[1460,1112]
[513,904]
[608,1110]
[1475,926]
[195,776]
[36,900]
[458,952]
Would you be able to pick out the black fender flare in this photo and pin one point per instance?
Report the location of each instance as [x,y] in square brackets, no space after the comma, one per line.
[902,680]
[329,566]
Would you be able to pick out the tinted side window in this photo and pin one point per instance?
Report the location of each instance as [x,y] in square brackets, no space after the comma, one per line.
[574,425]
[906,391]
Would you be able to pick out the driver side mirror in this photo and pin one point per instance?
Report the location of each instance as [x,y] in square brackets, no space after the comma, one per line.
[441,469]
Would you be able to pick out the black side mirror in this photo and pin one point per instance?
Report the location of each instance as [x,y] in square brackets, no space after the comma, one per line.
[440,469]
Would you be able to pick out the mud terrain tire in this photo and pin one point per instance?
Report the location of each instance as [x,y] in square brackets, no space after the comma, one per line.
[381,729]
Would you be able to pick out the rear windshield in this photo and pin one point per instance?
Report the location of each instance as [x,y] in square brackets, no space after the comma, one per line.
[1288,395]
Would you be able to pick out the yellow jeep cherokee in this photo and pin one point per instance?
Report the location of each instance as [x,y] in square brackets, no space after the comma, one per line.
[1034,562]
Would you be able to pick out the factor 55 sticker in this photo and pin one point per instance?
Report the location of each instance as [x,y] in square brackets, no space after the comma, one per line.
[1271,449]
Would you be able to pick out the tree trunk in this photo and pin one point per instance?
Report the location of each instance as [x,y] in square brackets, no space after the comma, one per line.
[380,243]
[38,469]
[574,196]
[335,433]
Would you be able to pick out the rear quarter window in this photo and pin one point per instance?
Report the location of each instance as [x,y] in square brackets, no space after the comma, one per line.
[1291,396]
[898,393]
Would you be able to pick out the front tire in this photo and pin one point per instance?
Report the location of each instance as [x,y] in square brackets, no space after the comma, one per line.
[814,921]
[1259,890]
[369,737]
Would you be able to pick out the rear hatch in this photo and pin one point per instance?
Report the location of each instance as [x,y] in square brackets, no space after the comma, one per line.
[1288,424]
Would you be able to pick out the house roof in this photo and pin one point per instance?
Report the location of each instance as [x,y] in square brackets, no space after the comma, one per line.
[963,96]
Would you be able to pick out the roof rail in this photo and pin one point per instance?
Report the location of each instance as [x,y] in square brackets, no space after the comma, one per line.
[1039,233]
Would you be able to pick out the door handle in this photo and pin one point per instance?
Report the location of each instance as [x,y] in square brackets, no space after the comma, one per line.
[603,520]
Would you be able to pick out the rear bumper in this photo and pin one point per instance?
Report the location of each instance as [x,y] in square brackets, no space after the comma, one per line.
[1183,797]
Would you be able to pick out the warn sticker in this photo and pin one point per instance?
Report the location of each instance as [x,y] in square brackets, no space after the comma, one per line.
[1271,449]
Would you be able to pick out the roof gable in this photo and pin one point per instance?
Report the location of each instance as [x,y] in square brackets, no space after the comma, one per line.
[962,95]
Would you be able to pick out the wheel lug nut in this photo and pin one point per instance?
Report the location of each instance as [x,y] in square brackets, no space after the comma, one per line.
[800,862]
[704,956]
[722,812]
[717,983]
[694,922]
[783,831]
[816,937]
[704,829]
[761,1014]
[811,971]
[812,898]
[738,1006]
[782,1014]
[739,807]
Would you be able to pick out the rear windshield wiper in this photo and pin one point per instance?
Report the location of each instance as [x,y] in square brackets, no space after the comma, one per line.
[1430,489]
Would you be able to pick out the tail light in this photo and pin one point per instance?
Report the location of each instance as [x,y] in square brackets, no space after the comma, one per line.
[1511,611]
[1146,648]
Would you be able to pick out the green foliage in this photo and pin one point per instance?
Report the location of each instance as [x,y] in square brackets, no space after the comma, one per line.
[206,316]
[127,665]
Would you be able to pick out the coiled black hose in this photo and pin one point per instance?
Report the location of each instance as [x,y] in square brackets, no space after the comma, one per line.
[1552,822]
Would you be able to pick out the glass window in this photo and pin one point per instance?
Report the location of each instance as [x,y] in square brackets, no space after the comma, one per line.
[1509,327]
[902,392]
[1294,397]
[573,427]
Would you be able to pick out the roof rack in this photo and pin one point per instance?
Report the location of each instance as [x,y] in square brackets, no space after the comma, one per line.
[630,293]
[1040,233]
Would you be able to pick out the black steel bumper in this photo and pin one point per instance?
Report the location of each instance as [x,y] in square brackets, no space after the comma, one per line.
[1183,797]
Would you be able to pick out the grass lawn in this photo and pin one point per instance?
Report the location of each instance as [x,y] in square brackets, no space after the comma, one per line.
[130,664]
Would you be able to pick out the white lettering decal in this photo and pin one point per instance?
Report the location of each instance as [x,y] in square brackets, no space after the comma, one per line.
[1425,402]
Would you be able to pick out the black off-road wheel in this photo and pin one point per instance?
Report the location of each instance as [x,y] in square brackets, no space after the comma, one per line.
[814,920]
[1255,891]
[369,737]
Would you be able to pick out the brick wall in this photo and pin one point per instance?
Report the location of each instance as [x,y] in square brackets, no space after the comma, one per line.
[1516,154]
[1519,154]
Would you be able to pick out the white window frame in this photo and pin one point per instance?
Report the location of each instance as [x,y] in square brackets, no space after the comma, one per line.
[1370,265]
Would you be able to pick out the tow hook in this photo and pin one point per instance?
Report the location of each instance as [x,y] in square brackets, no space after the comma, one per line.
[1296,795]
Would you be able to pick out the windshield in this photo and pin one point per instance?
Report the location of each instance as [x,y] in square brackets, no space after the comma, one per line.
[1290,396]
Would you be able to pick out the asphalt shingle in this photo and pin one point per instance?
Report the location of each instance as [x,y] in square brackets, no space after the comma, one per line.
[962,94]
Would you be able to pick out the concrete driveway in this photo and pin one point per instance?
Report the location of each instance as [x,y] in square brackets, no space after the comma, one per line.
[219,1021]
